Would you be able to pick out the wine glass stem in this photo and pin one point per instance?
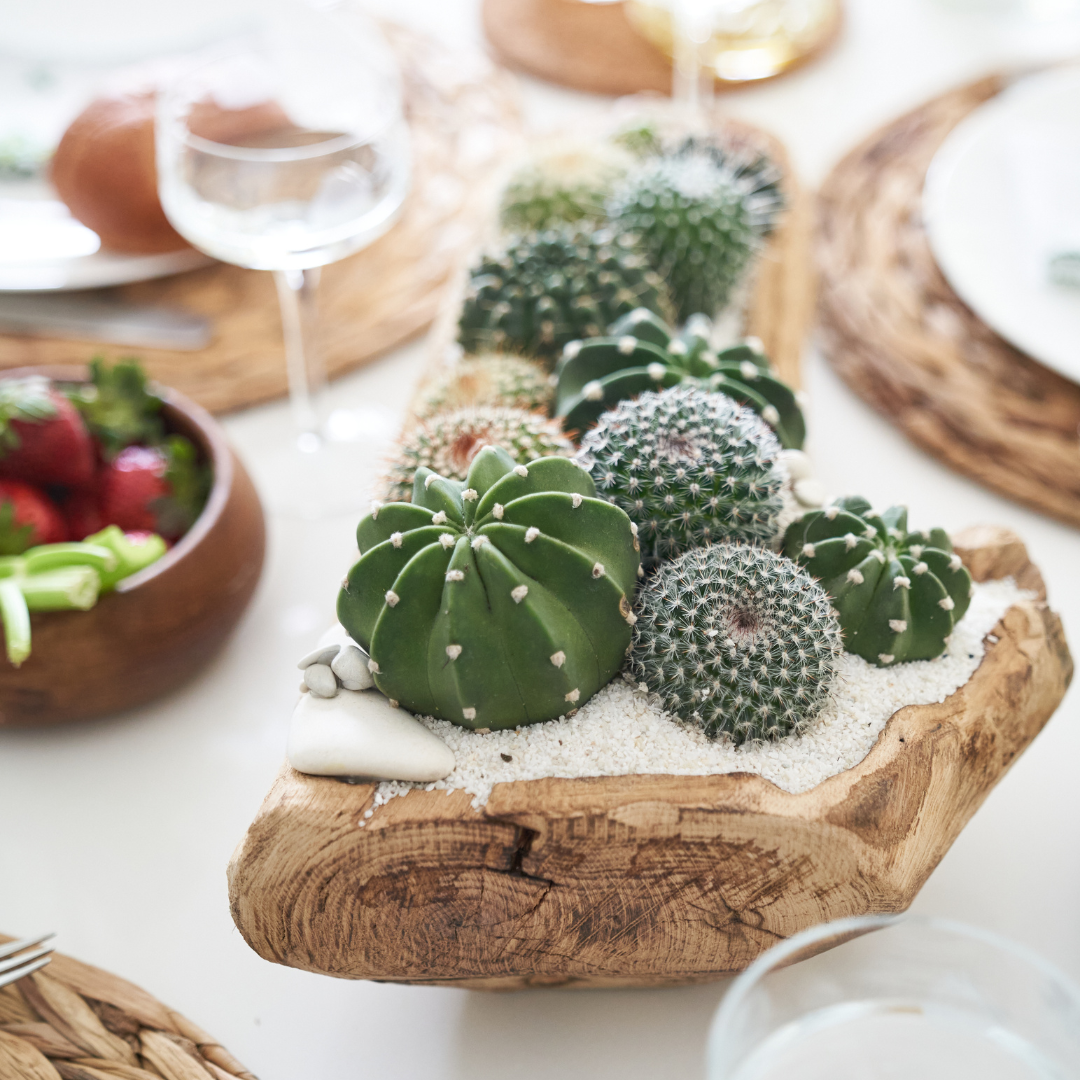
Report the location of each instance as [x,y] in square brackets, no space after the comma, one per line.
[692,82]
[303,358]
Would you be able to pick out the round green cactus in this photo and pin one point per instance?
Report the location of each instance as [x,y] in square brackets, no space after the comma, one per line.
[640,352]
[737,639]
[489,379]
[448,442]
[689,467]
[499,601]
[898,593]
[546,289]
[700,214]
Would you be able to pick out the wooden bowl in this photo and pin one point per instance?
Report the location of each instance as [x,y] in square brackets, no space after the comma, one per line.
[162,624]
[641,880]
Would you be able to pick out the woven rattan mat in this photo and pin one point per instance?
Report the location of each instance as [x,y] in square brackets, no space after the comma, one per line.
[464,120]
[77,1022]
[903,340]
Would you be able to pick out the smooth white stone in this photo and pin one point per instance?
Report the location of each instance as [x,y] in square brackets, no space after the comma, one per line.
[359,733]
[798,464]
[810,492]
[350,666]
[320,680]
[322,655]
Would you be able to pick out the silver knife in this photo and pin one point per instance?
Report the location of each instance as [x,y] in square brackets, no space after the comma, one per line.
[102,319]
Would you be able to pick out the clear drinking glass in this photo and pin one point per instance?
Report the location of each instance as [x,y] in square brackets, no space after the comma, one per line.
[284,150]
[897,998]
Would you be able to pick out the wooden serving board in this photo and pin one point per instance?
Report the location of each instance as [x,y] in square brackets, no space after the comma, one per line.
[905,342]
[464,121]
[641,880]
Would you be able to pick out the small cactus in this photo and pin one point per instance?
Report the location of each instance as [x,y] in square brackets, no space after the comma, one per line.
[489,379]
[640,352]
[546,289]
[689,467]
[700,215]
[497,601]
[736,639]
[898,593]
[446,443]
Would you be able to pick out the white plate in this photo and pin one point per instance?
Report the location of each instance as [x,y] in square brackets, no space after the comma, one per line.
[1002,195]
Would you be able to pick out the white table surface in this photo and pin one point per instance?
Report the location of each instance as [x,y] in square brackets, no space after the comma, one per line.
[116,834]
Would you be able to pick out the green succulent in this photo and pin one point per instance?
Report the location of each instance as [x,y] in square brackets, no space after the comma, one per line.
[736,639]
[640,352]
[494,602]
[898,593]
[546,289]
[689,467]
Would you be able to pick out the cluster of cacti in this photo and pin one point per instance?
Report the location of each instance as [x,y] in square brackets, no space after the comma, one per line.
[563,184]
[700,215]
[447,443]
[546,289]
[640,352]
[898,593]
[736,639]
[689,467]
[488,379]
[497,601]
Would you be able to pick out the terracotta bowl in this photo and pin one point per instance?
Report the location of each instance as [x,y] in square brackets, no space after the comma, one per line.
[161,625]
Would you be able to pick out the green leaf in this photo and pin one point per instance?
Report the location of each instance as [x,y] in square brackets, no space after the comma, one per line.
[118,407]
[14,539]
[189,483]
[23,399]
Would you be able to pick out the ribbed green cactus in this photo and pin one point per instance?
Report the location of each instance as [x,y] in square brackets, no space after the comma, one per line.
[500,601]
[546,289]
[689,467]
[640,352]
[448,442]
[488,379]
[737,639]
[700,214]
[898,593]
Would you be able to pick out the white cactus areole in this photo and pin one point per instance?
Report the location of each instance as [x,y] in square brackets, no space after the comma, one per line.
[510,592]
[736,639]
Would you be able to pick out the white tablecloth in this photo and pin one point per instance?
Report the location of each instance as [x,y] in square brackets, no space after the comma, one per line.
[116,834]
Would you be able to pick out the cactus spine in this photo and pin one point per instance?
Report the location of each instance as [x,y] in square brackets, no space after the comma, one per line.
[490,379]
[736,639]
[898,593]
[497,601]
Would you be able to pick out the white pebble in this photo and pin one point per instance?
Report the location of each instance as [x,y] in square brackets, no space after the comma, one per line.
[351,667]
[809,493]
[320,680]
[322,655]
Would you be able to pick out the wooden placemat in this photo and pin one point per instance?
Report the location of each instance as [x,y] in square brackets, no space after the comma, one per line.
[590,46]
[904,341]
[464,119]
[72,1021]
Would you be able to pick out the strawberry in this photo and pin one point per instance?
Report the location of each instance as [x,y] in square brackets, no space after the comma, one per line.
[27,518]
[43,439]
[155,489]
[82,511]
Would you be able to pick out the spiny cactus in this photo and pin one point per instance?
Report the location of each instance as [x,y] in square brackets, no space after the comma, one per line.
[736,639]
[446,443]
[898,593]
[565,183]
[488,379]
[640,352]
[500,601]
[689,467]
[700,215]
[546,289]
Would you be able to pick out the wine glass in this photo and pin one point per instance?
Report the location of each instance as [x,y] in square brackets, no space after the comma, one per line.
[286,149]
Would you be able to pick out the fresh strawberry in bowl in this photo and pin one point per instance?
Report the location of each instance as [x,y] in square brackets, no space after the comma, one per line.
[28,517]
[43,439]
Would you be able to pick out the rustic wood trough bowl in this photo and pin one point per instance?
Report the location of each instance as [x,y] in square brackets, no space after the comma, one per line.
[641,880]
[162,624]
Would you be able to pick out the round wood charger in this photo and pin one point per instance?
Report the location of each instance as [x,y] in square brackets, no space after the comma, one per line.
[72,1021]
[464,122]
[905,342]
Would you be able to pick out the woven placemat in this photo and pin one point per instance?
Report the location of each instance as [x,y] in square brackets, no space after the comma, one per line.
[72,1021]
[464,119]
[904,341]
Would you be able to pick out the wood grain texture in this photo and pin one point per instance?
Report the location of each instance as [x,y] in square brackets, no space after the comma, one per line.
[464,122]
[641,880]
[590,46]
[161,625]
[904,341]
[78,1022]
